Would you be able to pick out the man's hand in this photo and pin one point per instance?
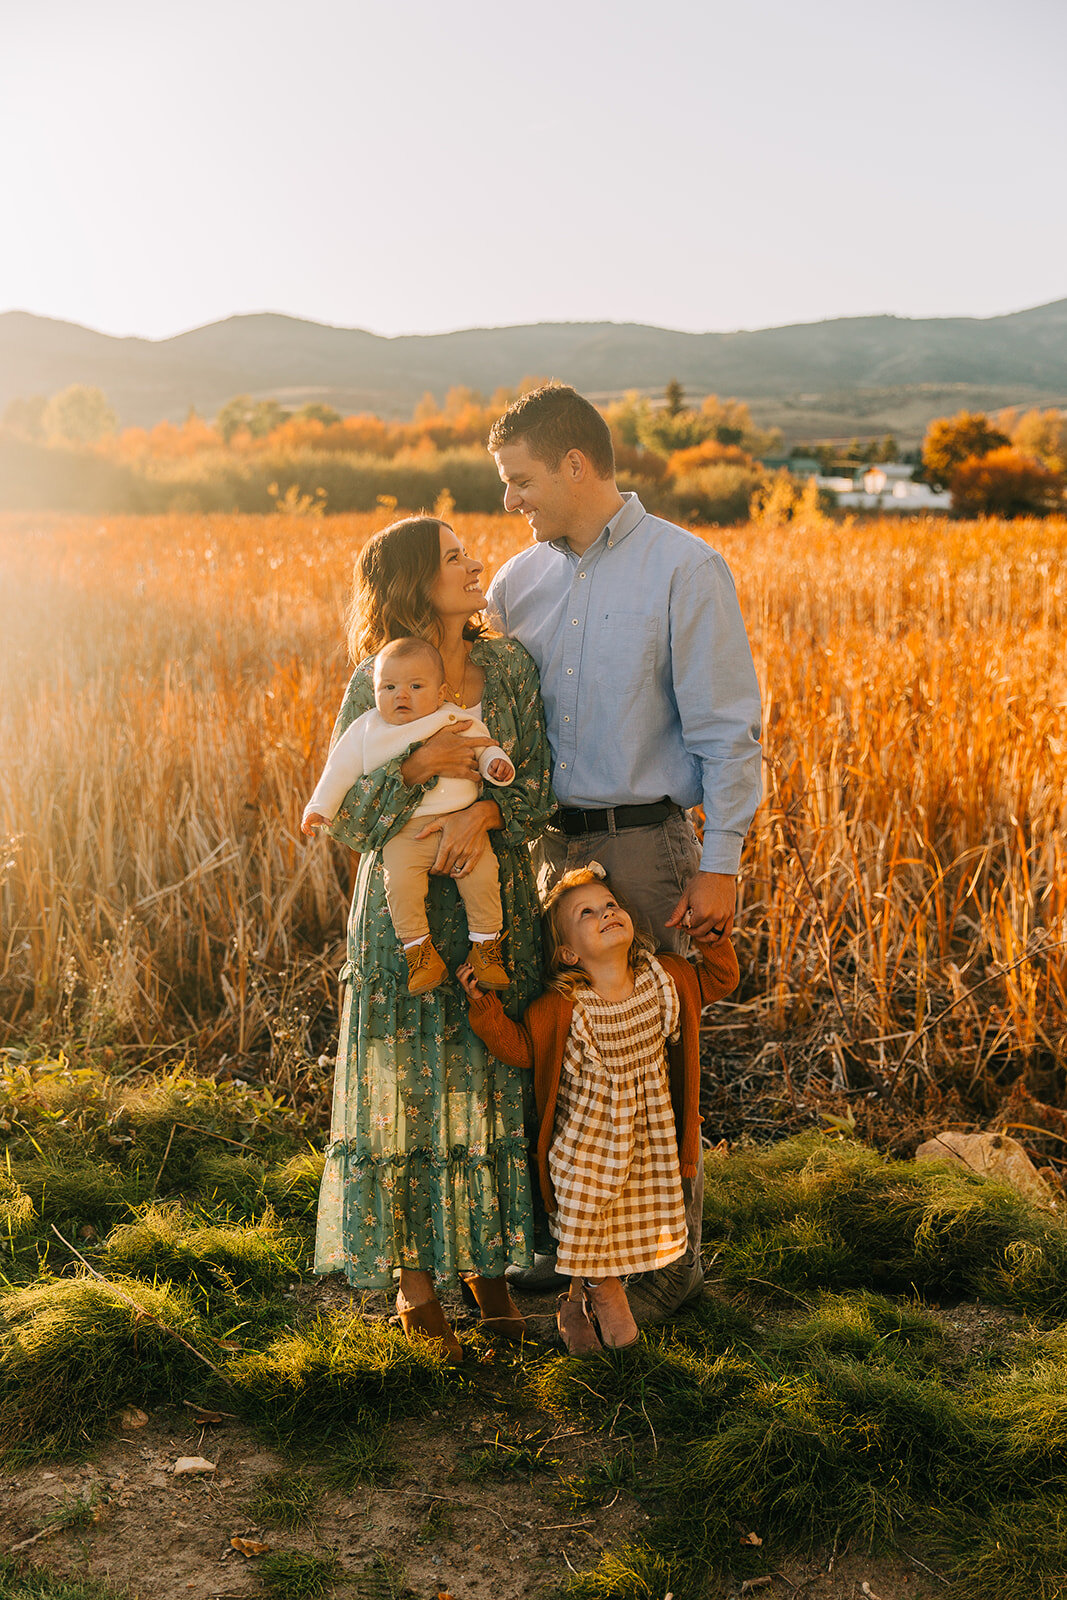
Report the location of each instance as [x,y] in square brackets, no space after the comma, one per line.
[706,909]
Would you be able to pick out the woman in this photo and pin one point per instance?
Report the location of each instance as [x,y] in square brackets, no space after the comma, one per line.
[426,1170]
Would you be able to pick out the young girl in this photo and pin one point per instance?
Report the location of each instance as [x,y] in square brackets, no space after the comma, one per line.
[613,1046]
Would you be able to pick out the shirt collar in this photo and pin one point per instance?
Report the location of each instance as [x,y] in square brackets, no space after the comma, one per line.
[622,523]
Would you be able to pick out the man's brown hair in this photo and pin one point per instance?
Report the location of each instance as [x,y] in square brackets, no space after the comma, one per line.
[553,420]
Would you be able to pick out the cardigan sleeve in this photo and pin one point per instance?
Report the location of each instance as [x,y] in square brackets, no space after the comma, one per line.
[508,1041]
[718,972]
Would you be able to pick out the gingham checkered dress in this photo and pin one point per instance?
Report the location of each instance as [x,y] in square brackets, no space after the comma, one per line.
[614,1153]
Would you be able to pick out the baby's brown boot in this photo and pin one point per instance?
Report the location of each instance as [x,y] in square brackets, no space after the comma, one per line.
[425,967]
[486,956]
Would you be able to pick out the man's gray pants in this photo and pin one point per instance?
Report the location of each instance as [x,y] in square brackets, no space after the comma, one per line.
[649,868]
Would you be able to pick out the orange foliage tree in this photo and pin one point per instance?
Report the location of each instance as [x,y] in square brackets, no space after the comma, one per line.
[1005,483]
[950,441]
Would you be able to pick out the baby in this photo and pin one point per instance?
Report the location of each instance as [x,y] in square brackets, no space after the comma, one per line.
[409,697]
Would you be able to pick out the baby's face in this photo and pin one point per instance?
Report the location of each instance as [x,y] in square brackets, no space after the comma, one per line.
[406,689]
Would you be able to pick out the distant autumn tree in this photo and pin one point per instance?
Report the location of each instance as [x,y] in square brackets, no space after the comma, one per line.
[257,417]
[26,415]
[78,415]
[1005,483]
[317,412]
[950,441]
[1043,434]
[674,398]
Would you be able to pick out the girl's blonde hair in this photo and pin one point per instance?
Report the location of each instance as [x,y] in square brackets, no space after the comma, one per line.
[395,572]
[559,974]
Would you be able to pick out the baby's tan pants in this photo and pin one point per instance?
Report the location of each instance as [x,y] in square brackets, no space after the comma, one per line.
[407,862]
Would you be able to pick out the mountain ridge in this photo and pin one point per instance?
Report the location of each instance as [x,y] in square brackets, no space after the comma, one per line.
[1021,354]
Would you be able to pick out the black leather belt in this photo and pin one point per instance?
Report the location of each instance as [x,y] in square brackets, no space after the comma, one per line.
[568,819]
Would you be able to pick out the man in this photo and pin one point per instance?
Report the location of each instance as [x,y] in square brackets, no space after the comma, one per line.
[651,702]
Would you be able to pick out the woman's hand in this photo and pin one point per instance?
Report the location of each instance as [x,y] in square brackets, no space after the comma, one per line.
[448,753]
[313,822]
[464,837]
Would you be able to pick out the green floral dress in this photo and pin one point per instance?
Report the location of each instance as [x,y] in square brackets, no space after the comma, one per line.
[427,1161]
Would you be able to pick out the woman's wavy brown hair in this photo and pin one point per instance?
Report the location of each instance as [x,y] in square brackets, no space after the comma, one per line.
[394,574]
[560,974]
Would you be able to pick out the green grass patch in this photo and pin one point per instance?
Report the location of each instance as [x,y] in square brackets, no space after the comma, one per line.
[298,1574]
[653,1390]
[293,1186]
[820,1213]
[21,1581]
[223,1260]
[509,1456]
[73,1351]
[284,1499]
[362,1455]
[601,1483]
[337,1374]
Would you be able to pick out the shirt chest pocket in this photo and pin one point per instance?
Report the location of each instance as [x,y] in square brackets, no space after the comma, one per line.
[627,648]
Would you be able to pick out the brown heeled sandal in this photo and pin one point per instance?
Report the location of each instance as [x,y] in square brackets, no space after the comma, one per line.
[428,1320]
[615,1320]
[575,1326]
[499,1313]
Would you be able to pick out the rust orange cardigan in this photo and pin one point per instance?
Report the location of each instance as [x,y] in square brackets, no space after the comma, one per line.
[537,1043]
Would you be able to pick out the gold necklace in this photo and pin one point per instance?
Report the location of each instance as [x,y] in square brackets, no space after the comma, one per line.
[458,694]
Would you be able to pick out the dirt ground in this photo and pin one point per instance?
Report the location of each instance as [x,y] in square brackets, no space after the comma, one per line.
[510,1538]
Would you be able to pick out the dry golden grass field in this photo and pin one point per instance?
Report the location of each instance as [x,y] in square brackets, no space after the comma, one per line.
[168,688]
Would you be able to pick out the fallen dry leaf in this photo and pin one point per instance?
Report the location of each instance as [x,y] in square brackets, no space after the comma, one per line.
[249,1547]
[186,1465]
[751,1538]
[133,1417]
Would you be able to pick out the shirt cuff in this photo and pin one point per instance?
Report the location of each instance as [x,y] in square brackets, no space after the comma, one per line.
[721,853]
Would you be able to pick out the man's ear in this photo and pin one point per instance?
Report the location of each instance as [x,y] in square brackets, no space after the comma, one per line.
[575,466]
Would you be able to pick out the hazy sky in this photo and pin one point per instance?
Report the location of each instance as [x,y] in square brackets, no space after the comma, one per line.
[417,166]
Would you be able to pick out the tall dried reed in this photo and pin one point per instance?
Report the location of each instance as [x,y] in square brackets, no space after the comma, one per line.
[168,687]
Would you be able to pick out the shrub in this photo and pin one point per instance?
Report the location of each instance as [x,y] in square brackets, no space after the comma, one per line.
[718,493]
[1005,483]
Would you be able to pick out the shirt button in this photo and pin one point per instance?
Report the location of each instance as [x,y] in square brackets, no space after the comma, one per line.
[574,622]
[566,719]
[570,672]
[581,574]
[563,763]
[610,543]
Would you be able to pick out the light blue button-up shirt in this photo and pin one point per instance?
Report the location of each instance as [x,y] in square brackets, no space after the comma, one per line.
[646,673]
